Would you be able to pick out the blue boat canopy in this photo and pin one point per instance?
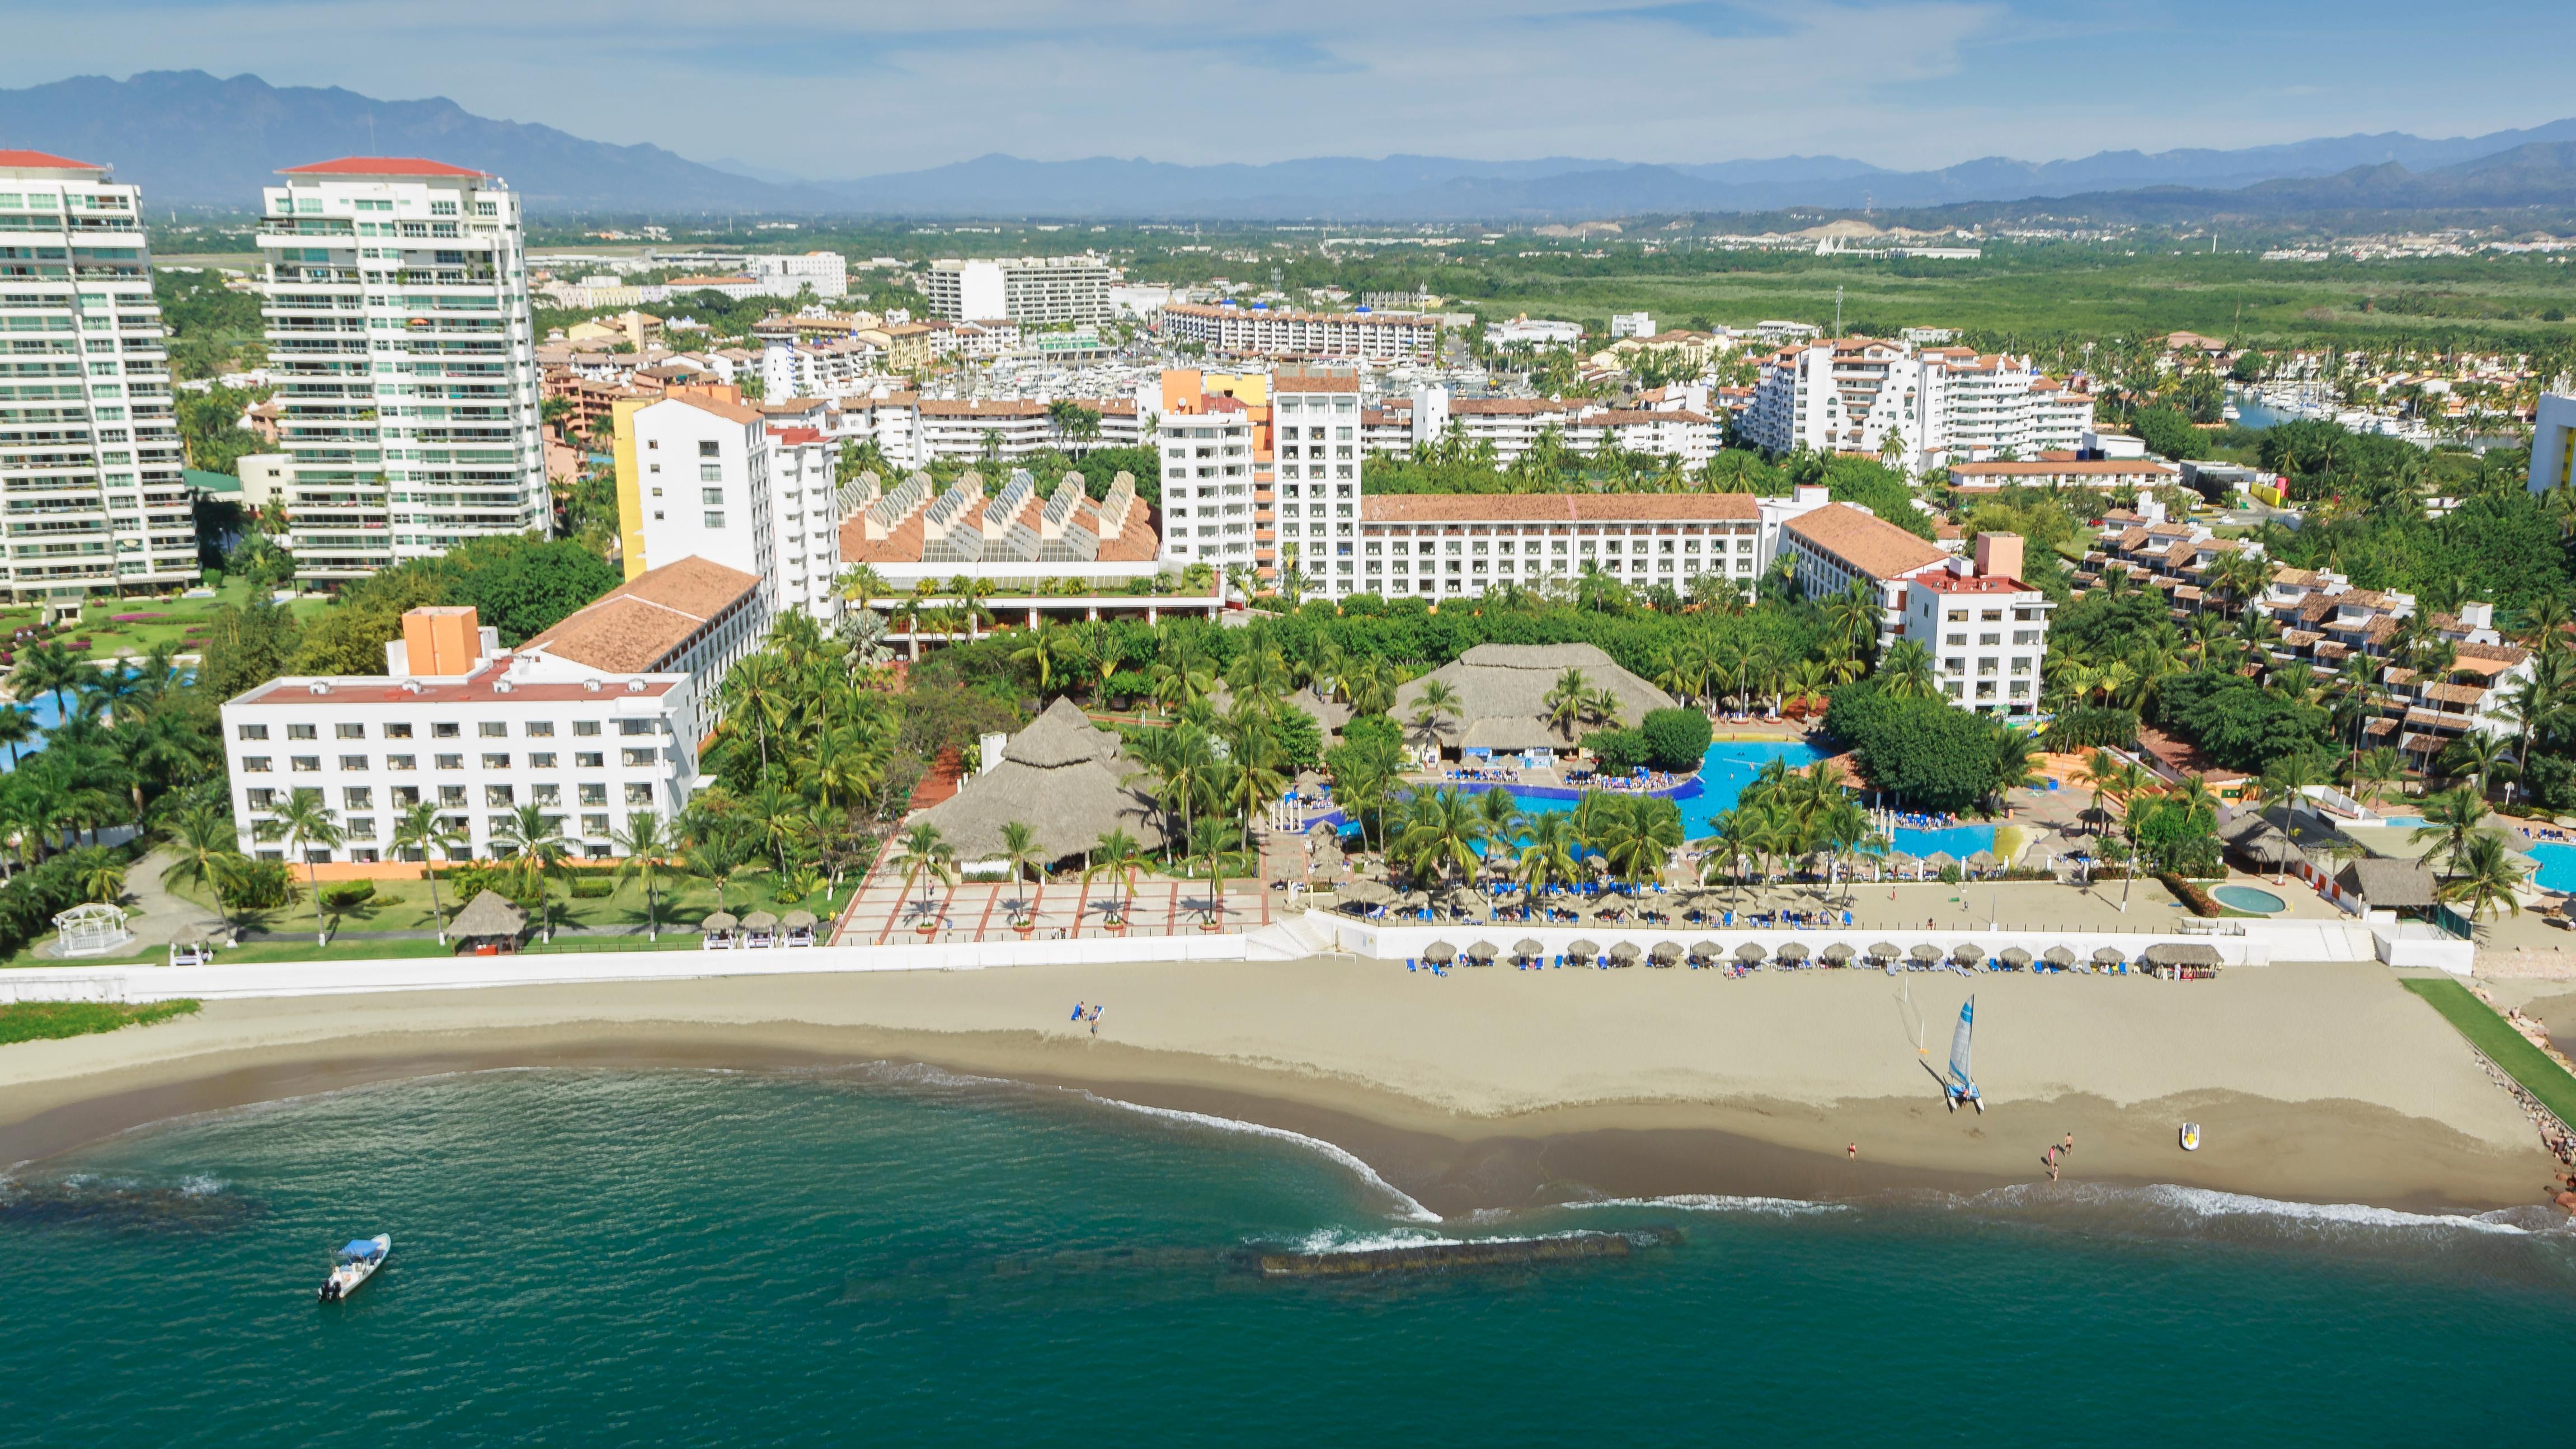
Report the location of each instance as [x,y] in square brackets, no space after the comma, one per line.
[362,1248]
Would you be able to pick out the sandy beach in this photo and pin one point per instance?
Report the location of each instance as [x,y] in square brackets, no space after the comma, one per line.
[1487,1088]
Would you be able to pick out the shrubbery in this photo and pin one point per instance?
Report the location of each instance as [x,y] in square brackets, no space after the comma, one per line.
[347,895]
[2092,727]
[1932,754]
[1617,752]
[259,885]
[1676,740]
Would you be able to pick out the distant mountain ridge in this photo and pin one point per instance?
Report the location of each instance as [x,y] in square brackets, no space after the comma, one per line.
[191,139]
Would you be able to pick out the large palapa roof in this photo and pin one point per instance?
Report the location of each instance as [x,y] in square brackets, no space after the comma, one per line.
[1503,688]
[1063,778]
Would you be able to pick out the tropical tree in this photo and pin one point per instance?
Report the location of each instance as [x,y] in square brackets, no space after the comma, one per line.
[420,827]
[2484,875]
[2451,820]
[1546,855]
[921,852]
[49,669]
[1907,668]
[1021,853]
[646,839]
[1119,857]
[1437,700]
[531,843]
[1567,701]
[304,823]
[208,851]
[1440,834]
[17,727]
[1216,836]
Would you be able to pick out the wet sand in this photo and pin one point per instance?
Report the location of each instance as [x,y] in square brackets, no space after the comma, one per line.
[1490,1088]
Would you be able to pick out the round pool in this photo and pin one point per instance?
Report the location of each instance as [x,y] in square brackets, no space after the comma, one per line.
[2247,898]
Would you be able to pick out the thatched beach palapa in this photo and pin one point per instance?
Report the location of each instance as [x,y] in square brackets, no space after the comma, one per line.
[1748,953]
[1665,953]
[1926,953]
[1529,950]
[490,916]
[719,921]
[2181,953]
[1484,951]
[760,921]
[2013,956]
[1503,688]
[1838,952]
[1967,953]
[1582,950]
[1063,778]
[1624,952]
[1705,950]
[1792,951]
[1440,953]
[1885,950]
[797,920]
[2058,956]
[2109,956]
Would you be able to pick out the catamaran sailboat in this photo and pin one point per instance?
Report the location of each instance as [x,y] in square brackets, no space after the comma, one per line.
[355,1264]
[1961,1088]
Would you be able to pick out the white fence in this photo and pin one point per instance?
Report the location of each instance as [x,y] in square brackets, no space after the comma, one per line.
[2259,943]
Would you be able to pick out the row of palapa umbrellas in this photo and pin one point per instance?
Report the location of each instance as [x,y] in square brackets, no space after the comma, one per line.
[1669,953]
[758,921]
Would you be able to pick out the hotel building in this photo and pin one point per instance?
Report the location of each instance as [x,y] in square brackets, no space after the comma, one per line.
[1452,544]
[396,295]
[90,460]
[1044,291]
[713,479]
[1228,330]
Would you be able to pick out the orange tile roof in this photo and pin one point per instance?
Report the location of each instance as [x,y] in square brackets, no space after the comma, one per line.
[641,623]
[1864,542]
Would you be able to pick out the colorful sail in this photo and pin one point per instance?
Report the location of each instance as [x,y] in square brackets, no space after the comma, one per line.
[1959,1041]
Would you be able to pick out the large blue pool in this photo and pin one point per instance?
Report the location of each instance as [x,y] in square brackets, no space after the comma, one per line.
[1730,765]
[2557,865]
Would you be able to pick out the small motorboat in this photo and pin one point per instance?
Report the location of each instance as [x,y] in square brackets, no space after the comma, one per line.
[2191,1137]
[355,1264]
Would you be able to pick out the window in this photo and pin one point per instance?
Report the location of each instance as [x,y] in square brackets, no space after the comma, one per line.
[398,731]
[593,793]
[594,825]
[405,795]
[715,520]
[590,761]
[299,732]
[446,729]
[358,797]
[710,472]
[451,762]
[255,764]
[492,729]
[347,731]
[542,760]
[496,762]
[706,450]
[496,795]
[639,794]
[251,732]
[261,799]
[712,497]
[541,728]
[546,794]
[635,726]
[451,794]
[353,762]
[305,764]
[402,762]
[635,758]
[585,726]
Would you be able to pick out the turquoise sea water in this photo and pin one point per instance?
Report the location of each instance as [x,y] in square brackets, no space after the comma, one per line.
[893,1256]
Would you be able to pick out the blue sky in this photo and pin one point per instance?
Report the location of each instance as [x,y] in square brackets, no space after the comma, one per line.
[850,87]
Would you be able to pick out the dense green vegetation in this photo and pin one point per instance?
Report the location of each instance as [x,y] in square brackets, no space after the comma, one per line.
[2504,1046]
[44,1020]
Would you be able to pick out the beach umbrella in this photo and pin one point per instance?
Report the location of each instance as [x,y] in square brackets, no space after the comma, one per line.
[720,921]
[1983,860]
[2014,956]
[1939,861]
[1703,950]
[1926,953]
[1748,953]
[1900,863]
[2058,956]
[1484,951]
[1666,952]
[1884,951]
[1322,827]
[1967,953]
[760,921]
[1440,953]
[1625,953]
[1792,951]
[2181,953]
[1582,950]
[1528,949]
[2108,956]
[1838,953]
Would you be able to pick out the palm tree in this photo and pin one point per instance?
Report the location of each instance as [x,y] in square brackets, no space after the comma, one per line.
[1567,700]
[1437,699]
[49,669]
[1503,820]
[304,822]
[715,849]
[1638,835]
[419,827]
[102,876]
[923,852]
[2288,780]
[1046,648]
[1547,858]
[1216,836]
[533,844]
[17,727]
[2486,755]
[1020,852]
[209,853]
[2099,774]
[1908,670]
[1441,834]
[646,840]
[2451,820]
[1116,856]
[1728,847]
[2485,875]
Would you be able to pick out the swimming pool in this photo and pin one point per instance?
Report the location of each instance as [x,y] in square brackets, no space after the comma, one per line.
[2247,898]
[2557,865]
[1730,765]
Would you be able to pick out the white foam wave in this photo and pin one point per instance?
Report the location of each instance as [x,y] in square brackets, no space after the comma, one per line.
[2210,1203]
[2175,1205]
[1405,1205]
[1336,1240]
[1784,1207]
[201,1185]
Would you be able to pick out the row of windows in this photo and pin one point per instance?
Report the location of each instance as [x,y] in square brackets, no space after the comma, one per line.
[403,797]
[538,760]
[490,729]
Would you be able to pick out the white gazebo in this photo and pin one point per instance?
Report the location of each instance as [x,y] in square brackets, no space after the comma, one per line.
[91,930]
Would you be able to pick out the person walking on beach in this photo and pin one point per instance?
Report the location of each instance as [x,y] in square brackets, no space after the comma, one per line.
[2067,1148]
[1095,1019]
[1852,1153]
[1077,1011]
[2050,1157]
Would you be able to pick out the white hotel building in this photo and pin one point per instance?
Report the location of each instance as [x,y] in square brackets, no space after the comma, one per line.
[89,453]
[1947,405]
[1229,330]
[396,294]
[1317,457]
[592,721]
[716,481]
[1045,291]
[1451,544]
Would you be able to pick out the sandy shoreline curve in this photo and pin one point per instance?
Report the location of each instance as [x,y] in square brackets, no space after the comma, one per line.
[1486,1089]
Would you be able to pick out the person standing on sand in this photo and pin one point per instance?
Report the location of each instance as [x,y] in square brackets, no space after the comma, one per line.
[1095,1019]
[2067,1148]
[2050,1157]
[1853,1151]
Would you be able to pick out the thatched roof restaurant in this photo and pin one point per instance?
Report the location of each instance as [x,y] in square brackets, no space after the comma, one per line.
[1503,688]
[1063,778]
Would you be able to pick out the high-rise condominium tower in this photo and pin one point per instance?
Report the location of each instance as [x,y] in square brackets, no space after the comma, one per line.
[397,303]
[91,495]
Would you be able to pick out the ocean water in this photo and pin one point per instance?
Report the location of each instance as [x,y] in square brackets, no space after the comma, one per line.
[895,1256]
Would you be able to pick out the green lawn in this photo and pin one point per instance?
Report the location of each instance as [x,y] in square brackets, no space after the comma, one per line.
[2504,1046]
[40,1020]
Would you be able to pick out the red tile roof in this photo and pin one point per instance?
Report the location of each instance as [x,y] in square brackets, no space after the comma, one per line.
[44,161]
[381,166]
